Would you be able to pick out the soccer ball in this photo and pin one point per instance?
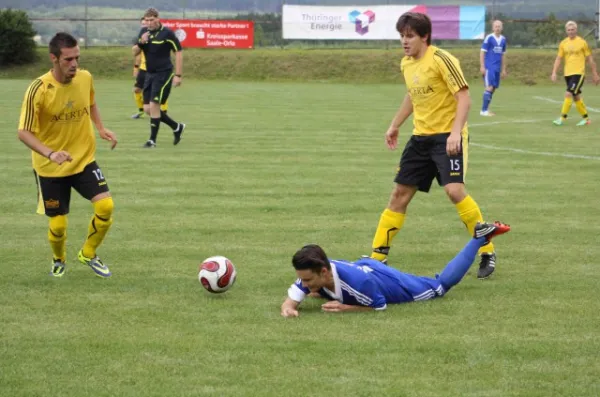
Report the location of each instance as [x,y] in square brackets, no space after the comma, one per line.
[216,274]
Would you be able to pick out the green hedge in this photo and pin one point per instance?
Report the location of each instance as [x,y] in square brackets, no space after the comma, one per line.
[332,65]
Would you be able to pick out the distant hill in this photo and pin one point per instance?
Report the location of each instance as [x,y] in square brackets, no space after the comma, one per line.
[582,9]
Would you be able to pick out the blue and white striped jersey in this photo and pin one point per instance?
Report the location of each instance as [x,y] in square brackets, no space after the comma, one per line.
[494,48]
[368,282]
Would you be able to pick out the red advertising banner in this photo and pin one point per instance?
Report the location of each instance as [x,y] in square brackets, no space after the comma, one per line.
[210,33]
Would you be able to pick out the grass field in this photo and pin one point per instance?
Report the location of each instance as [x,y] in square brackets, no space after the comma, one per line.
[264,168]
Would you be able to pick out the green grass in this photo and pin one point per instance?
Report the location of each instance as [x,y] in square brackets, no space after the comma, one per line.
[525,67]
[264,168]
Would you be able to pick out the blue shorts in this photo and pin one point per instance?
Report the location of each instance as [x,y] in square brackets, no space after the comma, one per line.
[492,78]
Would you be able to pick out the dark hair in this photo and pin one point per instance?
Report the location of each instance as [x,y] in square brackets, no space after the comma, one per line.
[59,41]
[311,257]
[151,13]
[417,22]
[142,18]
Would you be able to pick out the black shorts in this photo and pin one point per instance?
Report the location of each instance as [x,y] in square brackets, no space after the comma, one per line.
[55,192]
[140,79]
[157,87]
[425,158]
[574,83]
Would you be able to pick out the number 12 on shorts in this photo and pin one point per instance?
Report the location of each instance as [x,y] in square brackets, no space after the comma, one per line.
[98,174]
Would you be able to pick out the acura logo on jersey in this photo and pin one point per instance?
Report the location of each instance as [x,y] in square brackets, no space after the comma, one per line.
[72,114]
[416,91]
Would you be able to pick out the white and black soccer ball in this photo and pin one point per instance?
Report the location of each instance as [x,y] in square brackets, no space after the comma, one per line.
[216,274]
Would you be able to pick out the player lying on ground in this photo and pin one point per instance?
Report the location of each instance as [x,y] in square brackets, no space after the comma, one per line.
[368,284]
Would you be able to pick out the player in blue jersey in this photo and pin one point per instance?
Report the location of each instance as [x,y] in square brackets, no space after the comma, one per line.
[368,284]
[492,64]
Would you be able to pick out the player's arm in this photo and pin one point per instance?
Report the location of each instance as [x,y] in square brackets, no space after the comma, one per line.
[503,59]
[289,308]
[404,111]
[368,295]
[560,55]
[174,41]
[136,63]
[33,143]
[337,307]
[104,133]
[454,78]
[29,124]
[592,64]
[296,294]
[482,62]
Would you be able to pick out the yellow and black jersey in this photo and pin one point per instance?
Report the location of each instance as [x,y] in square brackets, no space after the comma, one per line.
[432,81]
[59,116]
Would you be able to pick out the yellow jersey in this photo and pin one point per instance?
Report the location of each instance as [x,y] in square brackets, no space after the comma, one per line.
[59,116]
[432,82]
[142,61]
[574,51]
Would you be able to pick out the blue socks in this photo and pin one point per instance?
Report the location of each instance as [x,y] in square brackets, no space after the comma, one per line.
[456,269]
[487,98]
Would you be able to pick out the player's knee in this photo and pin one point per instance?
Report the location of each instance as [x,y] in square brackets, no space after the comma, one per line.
[456,192]
[400,198]
[147,109]
[58,225]
[137,90]
[104,208]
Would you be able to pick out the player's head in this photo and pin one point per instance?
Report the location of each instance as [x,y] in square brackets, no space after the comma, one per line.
[312,267]
[571,29]
[143,23]
[151,17]
[497,27]
[415,32]
[64,54]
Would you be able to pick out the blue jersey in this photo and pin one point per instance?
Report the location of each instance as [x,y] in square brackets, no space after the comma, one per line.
[368,282]
[494,48]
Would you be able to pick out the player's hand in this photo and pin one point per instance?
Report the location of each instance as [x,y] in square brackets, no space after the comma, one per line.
[453,144]
[110,136]
[144,37]
[334,307]
[289,312]
[596,78]
[553,77]
[135,72]
[60,157]
[504,74]
[176,81]
[391,138]
[482,71]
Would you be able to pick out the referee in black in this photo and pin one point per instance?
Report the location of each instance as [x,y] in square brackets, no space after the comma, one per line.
[157,42]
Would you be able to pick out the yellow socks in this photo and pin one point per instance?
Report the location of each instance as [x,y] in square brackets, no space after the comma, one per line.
[390,224]
[470,214]
[581,108]
[139,100]
[57,236]
[98,226]
[566,107]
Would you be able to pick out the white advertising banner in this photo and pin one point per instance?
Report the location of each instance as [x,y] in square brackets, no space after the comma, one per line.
[450,22]
[342,23]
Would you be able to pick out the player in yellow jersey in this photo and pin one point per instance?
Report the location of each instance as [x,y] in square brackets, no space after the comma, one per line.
[56,124]
[139,74]
[438,98]
[575,51]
